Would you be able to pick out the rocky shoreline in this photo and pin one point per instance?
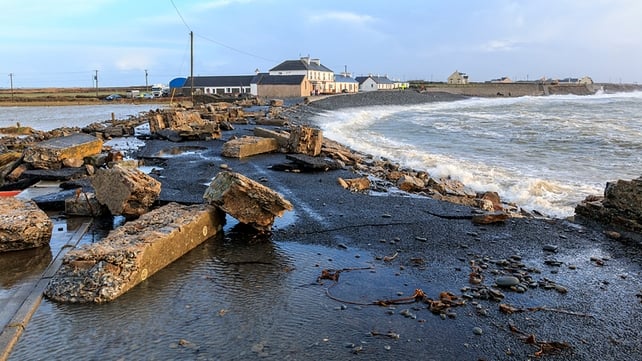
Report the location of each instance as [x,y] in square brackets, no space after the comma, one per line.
[522,286]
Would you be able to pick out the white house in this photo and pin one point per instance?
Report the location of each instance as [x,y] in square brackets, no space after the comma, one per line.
[372,83]
[321,78]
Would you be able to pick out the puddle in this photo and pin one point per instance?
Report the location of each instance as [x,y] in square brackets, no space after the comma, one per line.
[178,151]
[224,298]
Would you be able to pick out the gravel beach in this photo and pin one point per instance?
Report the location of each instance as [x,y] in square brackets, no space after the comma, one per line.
[377,276]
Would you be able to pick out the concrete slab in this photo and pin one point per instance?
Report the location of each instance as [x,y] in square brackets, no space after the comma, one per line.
[49,154]
[102,271]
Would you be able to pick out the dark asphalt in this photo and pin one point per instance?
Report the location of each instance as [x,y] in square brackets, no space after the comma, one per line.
[581,301]
[584,298]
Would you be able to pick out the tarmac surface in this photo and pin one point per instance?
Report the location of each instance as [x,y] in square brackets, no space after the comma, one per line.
[406,277]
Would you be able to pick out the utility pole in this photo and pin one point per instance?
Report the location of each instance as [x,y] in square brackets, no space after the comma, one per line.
[191,71]
[11,82]
[96,79]
[146,84]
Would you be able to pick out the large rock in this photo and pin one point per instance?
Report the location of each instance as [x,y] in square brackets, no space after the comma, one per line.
[621,205]
[305,140]
[246,200]
[102,271]
[125,191]
[249,146]
[51,153]
[23,225]
[409,183]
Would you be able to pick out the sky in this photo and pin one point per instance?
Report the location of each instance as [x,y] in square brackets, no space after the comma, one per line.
[65,43]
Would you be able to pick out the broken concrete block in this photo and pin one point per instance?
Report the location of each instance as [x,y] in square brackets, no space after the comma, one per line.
[50,154]
[102,271]
[83,204]
[125,191]
[490,217]
[23,225]
[281,137]
[305,140]
[248,146]
[179,125]
[276,102]
[355,184]
[306,163]
[246,200]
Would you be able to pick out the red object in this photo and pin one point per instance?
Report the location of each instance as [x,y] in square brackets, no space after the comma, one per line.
[9,193]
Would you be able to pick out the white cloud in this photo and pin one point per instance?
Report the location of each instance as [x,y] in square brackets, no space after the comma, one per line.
[216,4]
[341,16]
[499,45]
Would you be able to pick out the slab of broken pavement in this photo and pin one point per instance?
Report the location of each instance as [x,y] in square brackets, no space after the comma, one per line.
[511,283]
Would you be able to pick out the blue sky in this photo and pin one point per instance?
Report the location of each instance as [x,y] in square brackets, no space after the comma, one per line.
[62,42]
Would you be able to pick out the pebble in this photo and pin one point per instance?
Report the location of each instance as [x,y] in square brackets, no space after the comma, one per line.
[386,215]
[550,248]
[421,239]
[507,281]
[477,330]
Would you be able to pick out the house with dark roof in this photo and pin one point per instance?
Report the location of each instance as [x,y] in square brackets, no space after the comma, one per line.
[282,86]
[374,82]
[219,85]
[320,77]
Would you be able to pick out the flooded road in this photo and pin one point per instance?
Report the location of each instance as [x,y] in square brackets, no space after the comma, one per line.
[260,296]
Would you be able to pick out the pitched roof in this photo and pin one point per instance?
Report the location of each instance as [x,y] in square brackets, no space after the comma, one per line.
[338,78]
[291,65]
[267,79]
[376,79]
[221,81]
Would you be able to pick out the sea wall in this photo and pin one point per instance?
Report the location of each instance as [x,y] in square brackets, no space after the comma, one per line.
[511,89]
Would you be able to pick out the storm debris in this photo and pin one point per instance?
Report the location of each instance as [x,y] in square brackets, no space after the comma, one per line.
[246,200]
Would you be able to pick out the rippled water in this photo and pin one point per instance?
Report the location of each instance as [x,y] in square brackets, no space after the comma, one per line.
[543,153]
[229,299]
[51,117]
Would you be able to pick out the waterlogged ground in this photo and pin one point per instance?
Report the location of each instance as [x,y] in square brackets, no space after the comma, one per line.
[333,281]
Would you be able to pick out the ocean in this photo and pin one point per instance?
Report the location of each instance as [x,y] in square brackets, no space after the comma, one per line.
[50,117]
[544,153]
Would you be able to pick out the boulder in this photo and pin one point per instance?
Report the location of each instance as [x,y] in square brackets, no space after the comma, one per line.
[620,206]
[51,153]
[410,183]
[246,200]
[125,191]
[23,225]
[102,271]
[249,146]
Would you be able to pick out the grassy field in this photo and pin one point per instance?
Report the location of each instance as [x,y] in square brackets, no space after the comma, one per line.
[67,96]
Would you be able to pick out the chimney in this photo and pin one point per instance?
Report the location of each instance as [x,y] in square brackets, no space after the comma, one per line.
[315,61]
[306,59]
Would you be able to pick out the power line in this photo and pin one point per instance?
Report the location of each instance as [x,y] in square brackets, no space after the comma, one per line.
[180,16]
[235,49]
[218,42]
